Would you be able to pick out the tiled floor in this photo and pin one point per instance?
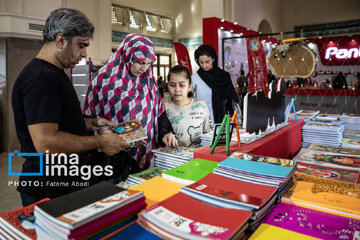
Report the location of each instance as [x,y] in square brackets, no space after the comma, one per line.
[9,197]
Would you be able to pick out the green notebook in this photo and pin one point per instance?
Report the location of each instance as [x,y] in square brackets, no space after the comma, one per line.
[191,171]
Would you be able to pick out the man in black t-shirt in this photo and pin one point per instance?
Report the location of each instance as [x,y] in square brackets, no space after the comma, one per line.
[48,117]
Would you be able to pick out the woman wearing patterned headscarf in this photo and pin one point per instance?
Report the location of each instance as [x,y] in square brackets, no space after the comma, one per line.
[213,85]
[125,89]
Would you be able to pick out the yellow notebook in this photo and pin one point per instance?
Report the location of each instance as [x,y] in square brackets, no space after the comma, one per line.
[331,194]
[266,232]
[157,189]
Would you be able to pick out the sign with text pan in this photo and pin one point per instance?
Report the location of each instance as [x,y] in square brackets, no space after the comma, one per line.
[339,51]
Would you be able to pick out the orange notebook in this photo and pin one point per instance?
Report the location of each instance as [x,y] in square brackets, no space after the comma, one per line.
[157,189]
[337,195]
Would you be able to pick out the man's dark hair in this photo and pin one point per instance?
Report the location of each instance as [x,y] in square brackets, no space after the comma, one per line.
[69,22]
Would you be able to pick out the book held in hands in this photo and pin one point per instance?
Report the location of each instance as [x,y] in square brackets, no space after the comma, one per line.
[130,131]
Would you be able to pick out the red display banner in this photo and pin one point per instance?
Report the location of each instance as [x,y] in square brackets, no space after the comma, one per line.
[257,66]
[182,55]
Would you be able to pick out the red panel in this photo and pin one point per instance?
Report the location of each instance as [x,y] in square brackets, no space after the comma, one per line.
[283,143]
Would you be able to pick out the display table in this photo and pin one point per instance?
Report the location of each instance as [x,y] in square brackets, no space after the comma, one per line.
[283,143]
[325,100]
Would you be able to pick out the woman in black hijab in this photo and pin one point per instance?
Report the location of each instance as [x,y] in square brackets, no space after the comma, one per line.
[213,85]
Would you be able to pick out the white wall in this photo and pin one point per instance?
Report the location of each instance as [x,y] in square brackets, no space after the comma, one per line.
[249,14]
[99,13]
[39,8]
[189,19]
[33,8]
[309,12]
[284,15]
[212,8]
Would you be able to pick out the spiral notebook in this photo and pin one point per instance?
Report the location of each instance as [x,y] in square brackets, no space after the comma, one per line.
[233,191]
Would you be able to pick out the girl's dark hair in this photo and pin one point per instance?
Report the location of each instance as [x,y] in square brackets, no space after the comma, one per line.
[177,69]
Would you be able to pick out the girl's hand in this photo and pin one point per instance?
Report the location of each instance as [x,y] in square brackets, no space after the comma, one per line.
[170,140]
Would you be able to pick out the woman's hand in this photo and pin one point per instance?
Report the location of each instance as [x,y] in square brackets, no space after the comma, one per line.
[170,140]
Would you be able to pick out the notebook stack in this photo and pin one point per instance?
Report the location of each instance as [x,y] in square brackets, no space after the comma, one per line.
[350,143]
[323,133]
[191,171]
[304,114]
[286,221]
[328,159]
[170,157]
[226,192]
[351,121]
[19,223]
[327,195]
[327,117]
[137,178]
[183,217]
[206,138]
[341,150]
[334,173]
[90,212]
[258,169]
[352,134]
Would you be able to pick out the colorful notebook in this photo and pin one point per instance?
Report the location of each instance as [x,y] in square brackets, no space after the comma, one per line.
[186,217]
[333,173]
[147,174]
[157,189]
[312,222]
[177,152]
[19,223]
[328,159]
[78,208]
[265,166]
[329,149]
[191,171]
[233,191]
[327,117]
[130,131]
[327,193]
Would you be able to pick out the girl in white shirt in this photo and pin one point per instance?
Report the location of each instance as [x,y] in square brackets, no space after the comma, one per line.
[189,117]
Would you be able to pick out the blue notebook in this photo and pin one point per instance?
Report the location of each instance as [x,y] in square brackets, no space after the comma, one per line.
[134,232]
[265,166]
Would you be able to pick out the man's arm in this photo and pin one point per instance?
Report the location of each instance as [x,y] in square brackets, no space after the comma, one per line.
[46,136]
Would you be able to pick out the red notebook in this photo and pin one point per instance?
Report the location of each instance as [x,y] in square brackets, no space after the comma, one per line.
[233,191]
[11,221]
[185,216]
